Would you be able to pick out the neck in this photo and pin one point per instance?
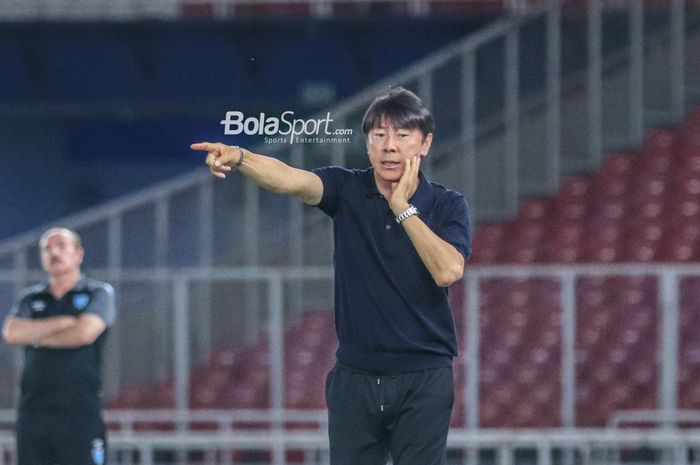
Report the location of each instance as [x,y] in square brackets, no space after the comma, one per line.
[383,187]
[60,284]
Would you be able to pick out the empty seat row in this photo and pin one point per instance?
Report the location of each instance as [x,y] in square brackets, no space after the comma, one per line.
[647,213]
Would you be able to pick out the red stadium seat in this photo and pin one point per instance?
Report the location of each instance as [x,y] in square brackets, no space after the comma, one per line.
[641,207]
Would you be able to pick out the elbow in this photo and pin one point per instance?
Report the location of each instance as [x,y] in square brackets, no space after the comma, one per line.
[85,338]
[449,276]
[9,336]
[87,330]
[88,334]
[450,268]
[447,281]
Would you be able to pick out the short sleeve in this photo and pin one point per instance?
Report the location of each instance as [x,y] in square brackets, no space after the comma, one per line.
[455,224]
[102,303]
[20,307]
[333,179]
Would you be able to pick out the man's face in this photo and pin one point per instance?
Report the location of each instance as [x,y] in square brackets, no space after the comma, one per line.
[389,148]
[60,254]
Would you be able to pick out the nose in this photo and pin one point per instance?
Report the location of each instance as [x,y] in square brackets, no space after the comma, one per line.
[390,142]
[51,252]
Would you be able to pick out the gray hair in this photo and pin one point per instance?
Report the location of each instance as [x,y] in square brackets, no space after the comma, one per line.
[64,231]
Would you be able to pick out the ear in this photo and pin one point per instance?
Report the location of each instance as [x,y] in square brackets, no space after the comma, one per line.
[426,144]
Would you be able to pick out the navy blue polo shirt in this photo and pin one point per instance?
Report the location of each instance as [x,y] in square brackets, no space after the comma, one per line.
[390,315]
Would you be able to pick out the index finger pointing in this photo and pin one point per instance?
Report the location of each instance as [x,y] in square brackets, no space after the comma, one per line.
[206,146]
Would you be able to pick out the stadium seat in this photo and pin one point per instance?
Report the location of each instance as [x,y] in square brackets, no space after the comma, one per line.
[640,207]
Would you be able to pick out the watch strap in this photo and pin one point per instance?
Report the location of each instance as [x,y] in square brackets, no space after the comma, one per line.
[409,212]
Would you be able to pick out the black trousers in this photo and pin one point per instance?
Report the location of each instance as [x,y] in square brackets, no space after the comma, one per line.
[60,438]
[406,416]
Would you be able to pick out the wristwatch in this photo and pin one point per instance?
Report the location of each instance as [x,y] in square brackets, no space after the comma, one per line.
[409,212]
[240,159]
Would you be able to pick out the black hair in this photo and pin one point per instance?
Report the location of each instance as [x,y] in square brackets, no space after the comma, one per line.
[402,108]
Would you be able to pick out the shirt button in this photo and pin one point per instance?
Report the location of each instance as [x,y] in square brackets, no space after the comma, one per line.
[388,227]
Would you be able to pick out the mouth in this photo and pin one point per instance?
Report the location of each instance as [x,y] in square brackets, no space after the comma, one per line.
[390,164]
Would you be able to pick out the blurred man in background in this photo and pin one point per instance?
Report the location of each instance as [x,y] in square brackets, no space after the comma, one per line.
[63,326]
[399,241]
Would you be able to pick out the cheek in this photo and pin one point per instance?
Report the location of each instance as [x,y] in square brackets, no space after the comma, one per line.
[373,155]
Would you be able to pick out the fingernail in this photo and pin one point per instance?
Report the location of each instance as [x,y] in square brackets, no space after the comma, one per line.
[217,162]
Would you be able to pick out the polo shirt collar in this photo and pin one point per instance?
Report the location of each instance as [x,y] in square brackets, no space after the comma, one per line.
[422,198]
[80,285]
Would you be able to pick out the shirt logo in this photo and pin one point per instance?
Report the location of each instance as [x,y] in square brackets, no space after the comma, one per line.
[38,306]
[80,301]
[98,451]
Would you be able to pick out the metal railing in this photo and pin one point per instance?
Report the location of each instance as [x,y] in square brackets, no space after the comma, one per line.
[590,446]
[656,418]
[519,144]
[583,446]
[276,315]
[129,10]
[173,260]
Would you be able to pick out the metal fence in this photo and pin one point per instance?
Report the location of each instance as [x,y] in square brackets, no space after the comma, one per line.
[193,271]
[517,106]
[183,322]
[500,447]
[128,10]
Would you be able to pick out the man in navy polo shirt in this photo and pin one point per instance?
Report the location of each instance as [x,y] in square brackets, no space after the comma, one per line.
[62,325]
[399,240]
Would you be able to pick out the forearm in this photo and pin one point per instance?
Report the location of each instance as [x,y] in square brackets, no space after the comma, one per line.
[276,176]
[66,339]
[84,332]
[267,172]
[443,261]
[21,331]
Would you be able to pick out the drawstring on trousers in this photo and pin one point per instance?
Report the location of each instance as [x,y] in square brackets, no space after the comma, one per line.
[381,394]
